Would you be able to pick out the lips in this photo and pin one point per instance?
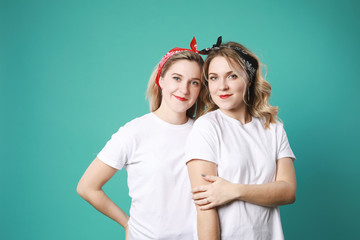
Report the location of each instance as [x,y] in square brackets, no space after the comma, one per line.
[225,96]
[180,98]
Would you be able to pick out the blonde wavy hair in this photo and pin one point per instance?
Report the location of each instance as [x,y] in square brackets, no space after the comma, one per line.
[153,92]
[259,90]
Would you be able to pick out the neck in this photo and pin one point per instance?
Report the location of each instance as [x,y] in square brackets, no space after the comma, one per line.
[242,114]
[169,116]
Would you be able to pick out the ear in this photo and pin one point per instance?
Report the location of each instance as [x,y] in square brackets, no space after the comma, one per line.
[161,82]
[248,83]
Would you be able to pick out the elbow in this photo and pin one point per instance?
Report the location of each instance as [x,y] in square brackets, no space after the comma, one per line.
[81,190]
[291,196]
[288,195]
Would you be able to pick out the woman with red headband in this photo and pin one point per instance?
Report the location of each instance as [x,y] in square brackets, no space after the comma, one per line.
[239,159]
[151,148]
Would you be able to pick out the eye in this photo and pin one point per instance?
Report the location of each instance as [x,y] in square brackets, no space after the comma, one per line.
[212,78]
[233,76]
[195,83]
[176,78]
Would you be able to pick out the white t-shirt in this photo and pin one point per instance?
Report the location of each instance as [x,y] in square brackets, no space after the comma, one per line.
[152,151]
[244,154]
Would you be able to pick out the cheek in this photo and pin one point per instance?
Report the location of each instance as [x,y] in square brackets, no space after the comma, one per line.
[195,91]
[168,87]
[212,88]
[239,87]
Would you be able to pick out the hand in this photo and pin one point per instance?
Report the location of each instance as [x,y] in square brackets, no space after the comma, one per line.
[218,193]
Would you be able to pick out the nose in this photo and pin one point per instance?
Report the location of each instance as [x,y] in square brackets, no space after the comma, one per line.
[223,84]
[184,87]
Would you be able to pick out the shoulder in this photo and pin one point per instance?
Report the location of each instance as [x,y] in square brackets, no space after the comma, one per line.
[278,128]
[275,129]
[145,119]
[260,123]
[208,125]
[137,124]
[278,125]
[208,119]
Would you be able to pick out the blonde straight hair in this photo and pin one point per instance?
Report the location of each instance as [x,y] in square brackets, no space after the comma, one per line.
[153,92]
[259,90]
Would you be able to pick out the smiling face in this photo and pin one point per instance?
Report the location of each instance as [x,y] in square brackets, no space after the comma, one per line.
[180,86]
[227,88]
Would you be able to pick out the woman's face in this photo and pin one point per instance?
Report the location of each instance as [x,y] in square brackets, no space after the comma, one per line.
[226,87]
[181,85]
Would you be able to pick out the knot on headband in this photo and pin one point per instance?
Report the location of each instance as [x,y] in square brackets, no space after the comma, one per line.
[217,45]
[193,48]
[251,64]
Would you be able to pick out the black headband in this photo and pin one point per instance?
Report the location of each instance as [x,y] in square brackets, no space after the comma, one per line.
[250,62]
[207,51]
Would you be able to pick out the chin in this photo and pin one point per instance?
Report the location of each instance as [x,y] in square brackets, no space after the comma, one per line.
[180,109]
[223,106]
[226,107]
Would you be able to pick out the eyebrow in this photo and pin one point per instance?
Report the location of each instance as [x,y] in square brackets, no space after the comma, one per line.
[177,74]
[225,73]
[183,76]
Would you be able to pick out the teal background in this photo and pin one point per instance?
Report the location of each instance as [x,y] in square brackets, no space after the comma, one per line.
[72,72]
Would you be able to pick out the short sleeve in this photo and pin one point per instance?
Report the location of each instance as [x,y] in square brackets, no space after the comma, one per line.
[118,149]
[283,149]
[202,142]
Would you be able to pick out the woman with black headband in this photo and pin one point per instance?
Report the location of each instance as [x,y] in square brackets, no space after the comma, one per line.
[238,156]
[151,148]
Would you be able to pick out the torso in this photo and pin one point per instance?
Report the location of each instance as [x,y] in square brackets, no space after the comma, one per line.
[157,179]
[246,154]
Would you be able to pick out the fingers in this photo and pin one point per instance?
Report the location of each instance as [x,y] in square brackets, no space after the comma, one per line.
[201,195]
[209,178]
[208,206]
[202,188]
[202,202]
[205,204]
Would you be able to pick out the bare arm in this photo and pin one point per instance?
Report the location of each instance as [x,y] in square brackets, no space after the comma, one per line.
[207,221]
[280,192]
[90,188]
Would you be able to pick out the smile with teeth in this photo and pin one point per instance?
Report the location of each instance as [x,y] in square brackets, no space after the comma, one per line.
[225,96]
[180,98]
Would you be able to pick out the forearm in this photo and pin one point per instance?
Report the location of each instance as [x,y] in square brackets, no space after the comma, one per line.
[280,192]
[208,224]
[207,221]
[268,195]
[99,200]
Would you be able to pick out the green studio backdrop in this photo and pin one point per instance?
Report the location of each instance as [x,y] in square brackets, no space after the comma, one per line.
[72,72]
